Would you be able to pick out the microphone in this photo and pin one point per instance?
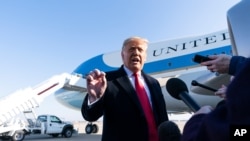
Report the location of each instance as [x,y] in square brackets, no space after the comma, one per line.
[169,131]
[195,83]
[178,89]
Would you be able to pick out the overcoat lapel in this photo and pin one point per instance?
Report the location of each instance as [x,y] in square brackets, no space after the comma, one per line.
[130,91]
[151,86]
[125,83]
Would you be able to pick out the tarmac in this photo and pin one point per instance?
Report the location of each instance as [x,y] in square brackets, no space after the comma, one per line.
[80,125]
[75,137]
[81,135]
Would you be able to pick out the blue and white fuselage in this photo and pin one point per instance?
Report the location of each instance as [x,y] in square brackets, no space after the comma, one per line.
[165,56]
[165,59]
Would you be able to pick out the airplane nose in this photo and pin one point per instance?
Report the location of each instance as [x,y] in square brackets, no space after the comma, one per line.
[73,92]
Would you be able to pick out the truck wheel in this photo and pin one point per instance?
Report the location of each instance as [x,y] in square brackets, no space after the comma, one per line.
[89,128]
[67,133]
[18,136]
[95,128]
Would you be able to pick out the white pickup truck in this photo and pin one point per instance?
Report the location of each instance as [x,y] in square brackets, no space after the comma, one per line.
[16,129]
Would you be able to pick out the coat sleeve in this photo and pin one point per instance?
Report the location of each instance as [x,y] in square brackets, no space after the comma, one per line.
[93,112]
[191,128]
[235,64]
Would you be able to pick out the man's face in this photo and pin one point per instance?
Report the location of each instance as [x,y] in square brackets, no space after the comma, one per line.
[134,55]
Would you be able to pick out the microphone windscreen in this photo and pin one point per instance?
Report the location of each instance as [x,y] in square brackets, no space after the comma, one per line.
[175,86]
[194,83]
[169,131]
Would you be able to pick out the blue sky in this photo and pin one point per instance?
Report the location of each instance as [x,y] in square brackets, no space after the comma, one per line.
[39,39]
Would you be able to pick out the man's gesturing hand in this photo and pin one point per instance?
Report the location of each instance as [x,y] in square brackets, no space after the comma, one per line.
[96,84]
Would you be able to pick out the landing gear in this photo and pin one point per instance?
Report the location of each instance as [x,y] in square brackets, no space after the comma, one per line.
[91,128]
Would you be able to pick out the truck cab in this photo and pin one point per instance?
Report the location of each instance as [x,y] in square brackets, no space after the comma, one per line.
[54,126]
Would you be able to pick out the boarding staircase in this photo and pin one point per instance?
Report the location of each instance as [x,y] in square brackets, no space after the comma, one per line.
[30,98]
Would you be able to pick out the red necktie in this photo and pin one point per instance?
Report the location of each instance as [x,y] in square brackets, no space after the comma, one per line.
[142,95]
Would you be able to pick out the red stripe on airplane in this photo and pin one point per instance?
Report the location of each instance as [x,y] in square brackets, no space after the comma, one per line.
[48,88]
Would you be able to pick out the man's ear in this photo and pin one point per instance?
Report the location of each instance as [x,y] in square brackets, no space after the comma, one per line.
[122,54]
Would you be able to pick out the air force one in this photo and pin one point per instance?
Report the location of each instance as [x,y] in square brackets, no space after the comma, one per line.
[174,59]
[165,60]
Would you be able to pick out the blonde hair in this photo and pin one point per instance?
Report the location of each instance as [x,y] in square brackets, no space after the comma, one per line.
[132,39]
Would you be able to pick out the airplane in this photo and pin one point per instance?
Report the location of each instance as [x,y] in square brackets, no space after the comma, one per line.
[174,59]
[165,60]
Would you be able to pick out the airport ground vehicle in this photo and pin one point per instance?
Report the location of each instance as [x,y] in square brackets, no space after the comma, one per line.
[17,129]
